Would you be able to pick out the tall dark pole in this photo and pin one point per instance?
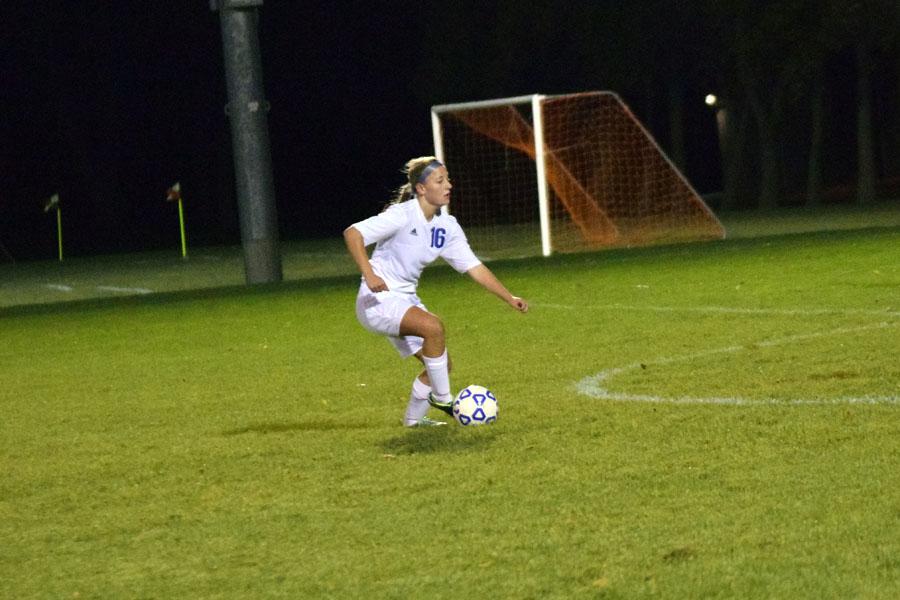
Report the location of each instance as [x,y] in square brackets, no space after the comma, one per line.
[246,110]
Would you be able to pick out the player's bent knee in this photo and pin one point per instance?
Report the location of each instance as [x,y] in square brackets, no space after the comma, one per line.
[435,327]
[421,323]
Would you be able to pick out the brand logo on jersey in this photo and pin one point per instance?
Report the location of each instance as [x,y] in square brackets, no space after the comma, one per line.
[413,232]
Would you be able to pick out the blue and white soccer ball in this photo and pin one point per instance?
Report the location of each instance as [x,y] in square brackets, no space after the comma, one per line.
[475,405]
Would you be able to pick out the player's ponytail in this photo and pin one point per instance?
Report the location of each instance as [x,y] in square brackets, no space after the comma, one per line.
[402,194]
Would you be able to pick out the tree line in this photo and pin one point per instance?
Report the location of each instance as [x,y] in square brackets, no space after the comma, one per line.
[807,93]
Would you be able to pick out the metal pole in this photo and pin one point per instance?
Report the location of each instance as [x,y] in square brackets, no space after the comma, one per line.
[246,110]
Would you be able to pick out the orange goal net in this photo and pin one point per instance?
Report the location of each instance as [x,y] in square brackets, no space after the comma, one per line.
[564,173]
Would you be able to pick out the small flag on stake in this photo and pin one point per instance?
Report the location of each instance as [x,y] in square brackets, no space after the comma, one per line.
[51,204]
[173,194]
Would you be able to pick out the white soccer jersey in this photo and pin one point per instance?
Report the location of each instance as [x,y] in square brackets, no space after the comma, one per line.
[407,243]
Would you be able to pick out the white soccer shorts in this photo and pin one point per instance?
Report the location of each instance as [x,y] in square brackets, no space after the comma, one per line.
[382,312]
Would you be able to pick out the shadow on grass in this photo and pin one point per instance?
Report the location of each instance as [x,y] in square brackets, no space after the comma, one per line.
[428,440]
[264,428]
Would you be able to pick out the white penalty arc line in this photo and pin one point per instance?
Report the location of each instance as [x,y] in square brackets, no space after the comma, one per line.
[593,385]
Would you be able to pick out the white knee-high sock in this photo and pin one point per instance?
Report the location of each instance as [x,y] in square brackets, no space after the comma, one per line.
[439,376]
[418,403]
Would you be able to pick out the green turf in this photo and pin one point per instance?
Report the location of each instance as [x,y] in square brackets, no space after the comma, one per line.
[239,442]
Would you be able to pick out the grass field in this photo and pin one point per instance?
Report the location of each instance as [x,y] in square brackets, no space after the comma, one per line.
[711,420]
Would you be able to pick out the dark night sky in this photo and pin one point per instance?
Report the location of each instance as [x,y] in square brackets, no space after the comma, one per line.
[108,103]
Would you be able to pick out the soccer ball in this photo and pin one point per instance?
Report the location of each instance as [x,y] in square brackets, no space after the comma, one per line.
[475,405]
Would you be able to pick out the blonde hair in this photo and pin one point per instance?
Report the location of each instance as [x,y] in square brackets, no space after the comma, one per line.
[413,170]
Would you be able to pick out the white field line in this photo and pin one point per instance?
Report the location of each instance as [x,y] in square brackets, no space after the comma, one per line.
[59,287]
[593,385]
[727,310]
[123,290]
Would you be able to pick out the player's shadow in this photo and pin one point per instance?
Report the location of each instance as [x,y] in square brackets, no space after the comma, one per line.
[430,440]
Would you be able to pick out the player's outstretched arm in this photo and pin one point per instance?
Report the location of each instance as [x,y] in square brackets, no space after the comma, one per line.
[486,278]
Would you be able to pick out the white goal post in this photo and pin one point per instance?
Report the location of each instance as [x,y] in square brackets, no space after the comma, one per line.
[563,173]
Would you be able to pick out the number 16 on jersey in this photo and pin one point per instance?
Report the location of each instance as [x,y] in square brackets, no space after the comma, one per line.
[438,237]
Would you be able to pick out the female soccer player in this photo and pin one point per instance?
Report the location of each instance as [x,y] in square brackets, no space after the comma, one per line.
[409,235]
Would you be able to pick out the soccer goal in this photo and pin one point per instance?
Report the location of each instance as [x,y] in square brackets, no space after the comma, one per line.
[540,174]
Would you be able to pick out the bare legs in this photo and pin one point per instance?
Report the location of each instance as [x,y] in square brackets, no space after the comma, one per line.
[433,354]
[427,326]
